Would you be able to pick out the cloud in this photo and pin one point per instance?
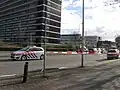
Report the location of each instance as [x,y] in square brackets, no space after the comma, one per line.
[97,15]
[70,21]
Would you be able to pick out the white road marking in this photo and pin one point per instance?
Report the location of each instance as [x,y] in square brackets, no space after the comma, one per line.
[62,67]
[1,76]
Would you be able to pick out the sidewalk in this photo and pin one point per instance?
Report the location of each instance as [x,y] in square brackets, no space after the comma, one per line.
[102,77]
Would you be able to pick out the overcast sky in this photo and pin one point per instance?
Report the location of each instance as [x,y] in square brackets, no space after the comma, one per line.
[100,18]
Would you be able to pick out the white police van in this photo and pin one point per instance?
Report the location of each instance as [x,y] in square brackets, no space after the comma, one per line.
[27,53]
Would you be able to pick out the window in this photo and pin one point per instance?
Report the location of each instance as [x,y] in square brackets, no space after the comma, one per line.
[54,23]
[54,29]
[41,20]
[41,14]
[53,11]
[40,8]
[47,27]
[54,17]
[24,0]
[32,49]
[35,49]
[56,1]
[54,6]
[40,2]
[39,49]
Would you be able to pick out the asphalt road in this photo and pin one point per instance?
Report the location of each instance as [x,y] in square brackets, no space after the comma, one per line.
[7,66]
[101,77]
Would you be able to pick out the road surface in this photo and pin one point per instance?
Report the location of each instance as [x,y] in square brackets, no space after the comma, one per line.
[101,77]
[7,66]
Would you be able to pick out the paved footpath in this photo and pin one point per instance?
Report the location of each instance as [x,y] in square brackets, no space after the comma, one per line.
[101,77]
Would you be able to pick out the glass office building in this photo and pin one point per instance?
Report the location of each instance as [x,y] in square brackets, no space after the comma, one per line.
[25,21]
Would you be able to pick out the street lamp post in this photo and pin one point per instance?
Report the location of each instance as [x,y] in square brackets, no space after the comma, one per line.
[82,57]
[44,62]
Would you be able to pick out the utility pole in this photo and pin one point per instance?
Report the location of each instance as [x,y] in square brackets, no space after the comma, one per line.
[44,62]
[82,57]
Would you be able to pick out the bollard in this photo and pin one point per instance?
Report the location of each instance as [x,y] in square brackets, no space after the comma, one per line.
[25,72]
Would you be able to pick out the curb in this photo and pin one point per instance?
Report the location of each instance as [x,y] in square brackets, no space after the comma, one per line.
[64,53]
[73,53]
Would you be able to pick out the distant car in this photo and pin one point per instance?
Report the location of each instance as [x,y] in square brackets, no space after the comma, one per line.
[113,53]
[93,51]
[27,53]
[80,51]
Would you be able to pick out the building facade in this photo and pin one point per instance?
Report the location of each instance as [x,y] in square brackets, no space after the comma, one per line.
[106,44]
[67,38]
[71,39]
[91,41]
[76,40]
[26,21]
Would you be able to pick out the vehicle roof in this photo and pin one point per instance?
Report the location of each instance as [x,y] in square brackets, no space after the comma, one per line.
[34,47]
[113,49]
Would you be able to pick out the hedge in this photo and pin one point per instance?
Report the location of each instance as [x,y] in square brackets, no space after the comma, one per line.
[9,49]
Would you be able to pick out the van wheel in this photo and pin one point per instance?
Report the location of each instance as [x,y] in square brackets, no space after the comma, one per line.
[24,57]
[42,57]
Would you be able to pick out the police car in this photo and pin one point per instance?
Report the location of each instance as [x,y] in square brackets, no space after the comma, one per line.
[27,53]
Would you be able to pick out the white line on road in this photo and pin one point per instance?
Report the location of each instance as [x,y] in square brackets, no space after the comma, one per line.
[1,76]
[62,67]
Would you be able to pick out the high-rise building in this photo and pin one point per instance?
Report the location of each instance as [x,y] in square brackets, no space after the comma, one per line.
[76,39]
[25,21]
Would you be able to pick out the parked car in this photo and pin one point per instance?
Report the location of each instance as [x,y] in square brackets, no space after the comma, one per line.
[27,53]
[113,53]
[93,51]
[80,51]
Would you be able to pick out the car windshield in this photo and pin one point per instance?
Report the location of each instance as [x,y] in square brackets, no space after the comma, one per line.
[24,49]
[111,51]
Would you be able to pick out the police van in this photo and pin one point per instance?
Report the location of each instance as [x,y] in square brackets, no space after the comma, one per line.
[27,53]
